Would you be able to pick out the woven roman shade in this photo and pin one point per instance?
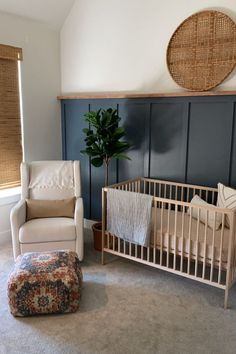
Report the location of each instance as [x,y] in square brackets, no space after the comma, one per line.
[10,122]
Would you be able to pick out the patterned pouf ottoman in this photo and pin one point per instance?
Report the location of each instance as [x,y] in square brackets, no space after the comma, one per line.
[45,282]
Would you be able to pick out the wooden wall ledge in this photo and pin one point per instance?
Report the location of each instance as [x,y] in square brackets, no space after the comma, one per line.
[105,95]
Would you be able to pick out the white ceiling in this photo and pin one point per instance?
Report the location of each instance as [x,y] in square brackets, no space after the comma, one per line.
[51,12]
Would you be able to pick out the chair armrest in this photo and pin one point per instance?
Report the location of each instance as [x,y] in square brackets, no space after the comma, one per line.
[17,218]
[79,224]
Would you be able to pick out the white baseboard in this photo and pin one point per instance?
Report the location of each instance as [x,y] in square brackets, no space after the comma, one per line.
[5,236]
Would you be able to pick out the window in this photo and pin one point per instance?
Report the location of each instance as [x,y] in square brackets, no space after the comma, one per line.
[10,118]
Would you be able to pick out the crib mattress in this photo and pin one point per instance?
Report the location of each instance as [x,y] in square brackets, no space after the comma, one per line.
[188,244]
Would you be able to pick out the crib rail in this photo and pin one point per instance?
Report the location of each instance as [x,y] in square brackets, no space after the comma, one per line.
[177,191]
[182,241]
[167,189]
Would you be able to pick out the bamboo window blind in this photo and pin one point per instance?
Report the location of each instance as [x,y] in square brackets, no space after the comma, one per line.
[10,120]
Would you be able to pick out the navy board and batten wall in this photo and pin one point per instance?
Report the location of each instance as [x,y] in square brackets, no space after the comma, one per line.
[186,138]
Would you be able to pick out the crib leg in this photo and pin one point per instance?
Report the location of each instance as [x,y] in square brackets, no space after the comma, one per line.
[226,298]
[103,257]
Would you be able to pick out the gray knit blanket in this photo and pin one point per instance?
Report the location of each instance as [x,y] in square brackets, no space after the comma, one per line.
[129,215]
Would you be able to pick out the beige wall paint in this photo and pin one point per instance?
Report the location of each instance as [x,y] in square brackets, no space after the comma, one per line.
[110,45]
[40,84]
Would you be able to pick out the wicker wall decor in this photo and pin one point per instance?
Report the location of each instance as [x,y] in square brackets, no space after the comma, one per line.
[202,51]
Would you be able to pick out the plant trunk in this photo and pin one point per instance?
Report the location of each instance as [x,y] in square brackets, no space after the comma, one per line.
[106,173]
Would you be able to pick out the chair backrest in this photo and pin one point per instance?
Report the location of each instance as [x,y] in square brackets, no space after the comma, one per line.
[50,179]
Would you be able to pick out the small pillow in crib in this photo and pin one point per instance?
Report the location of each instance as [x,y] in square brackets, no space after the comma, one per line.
[202,213]
[226,199]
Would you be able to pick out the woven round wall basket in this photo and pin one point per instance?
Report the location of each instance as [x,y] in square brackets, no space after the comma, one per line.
[202,51]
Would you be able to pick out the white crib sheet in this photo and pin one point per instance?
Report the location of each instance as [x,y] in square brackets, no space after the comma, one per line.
[192,239]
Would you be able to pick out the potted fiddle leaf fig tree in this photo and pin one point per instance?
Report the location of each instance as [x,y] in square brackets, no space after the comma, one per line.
[104,141]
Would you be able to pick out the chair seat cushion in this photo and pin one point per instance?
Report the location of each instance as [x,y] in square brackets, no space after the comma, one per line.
[45,282]
[47,230]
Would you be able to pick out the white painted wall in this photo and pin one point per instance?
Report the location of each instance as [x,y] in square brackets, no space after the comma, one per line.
[111,45]
[40,84]
[6,204]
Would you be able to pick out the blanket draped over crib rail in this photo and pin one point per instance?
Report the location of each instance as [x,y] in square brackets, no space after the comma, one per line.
[129,215]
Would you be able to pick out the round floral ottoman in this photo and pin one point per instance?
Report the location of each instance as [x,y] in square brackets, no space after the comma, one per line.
[45,282]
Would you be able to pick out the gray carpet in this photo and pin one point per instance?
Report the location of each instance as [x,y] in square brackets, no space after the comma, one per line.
[126,308]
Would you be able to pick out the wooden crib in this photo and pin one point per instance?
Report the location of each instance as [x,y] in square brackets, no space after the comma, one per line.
[180,243]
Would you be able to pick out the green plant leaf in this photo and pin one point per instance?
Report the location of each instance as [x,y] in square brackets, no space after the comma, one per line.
[102,137]
[97,162]
[121,156]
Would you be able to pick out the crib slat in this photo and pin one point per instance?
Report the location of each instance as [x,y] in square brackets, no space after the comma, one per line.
[159,194]
[221,247]
[205,245]
[141,252]
[213,247]
[155,231]
[182,243]
[197,241]
[175,235]
[161,250]
[130,244]
[106,239]
[189,239]
[113,242]
[168,236]
[119,244]
[136,251]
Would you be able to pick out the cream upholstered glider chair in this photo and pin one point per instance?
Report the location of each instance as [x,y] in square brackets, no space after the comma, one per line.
[48,180]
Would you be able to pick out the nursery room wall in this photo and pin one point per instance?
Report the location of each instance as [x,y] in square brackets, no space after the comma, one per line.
[121,46]
[109,45]
[40,86]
